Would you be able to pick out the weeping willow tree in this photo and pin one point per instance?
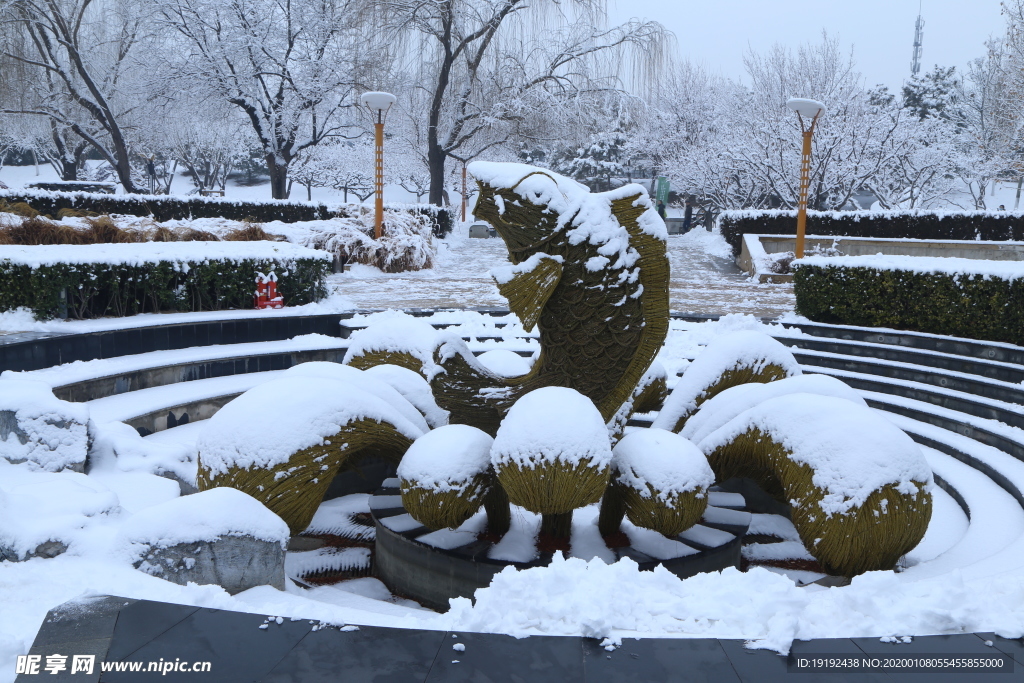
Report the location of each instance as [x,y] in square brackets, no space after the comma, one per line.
[481,73]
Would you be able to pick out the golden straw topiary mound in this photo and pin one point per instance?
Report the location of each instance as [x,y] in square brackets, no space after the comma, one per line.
[859,489]
[662,479]
[445,475]
[733,359]
[552,454]
[288,458]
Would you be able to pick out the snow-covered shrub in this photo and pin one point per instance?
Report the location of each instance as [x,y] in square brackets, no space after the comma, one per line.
[922,225]
[445,475]
[955,296]
[287,456]
[406,241]
[124,279]
[859,489]
[39,428]
[732,359]
[660,480]
[552,453]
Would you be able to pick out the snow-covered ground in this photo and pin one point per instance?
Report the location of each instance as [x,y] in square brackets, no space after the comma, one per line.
[967,575]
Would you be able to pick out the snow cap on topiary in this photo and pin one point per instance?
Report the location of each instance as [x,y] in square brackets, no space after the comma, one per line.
[663,461]
[416,390]
[445,474]
[552,453]
[505,363]
[306,411]
[719,409]
[368,383]
[735,358]
[396,338]
[661,480]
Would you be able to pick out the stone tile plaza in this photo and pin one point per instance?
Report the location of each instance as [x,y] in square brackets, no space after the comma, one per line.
[466,341]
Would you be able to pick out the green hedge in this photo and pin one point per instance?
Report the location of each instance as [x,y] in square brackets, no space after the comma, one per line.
[166,208]
[971,305]
[104,289]
[923,225]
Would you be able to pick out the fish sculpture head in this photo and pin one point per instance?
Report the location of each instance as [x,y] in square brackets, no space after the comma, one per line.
[509,198]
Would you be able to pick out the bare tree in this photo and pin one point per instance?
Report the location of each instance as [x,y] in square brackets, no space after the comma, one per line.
[77,55]
[482,69]
[291,66]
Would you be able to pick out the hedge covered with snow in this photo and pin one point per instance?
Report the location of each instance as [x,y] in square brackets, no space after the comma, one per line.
[166,208]
[960,297]
[924,225]
[97,280]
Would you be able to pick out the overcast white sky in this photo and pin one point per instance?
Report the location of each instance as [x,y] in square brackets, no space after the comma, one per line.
[718,32]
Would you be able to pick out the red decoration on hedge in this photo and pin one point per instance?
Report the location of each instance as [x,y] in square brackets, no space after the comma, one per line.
[266,291]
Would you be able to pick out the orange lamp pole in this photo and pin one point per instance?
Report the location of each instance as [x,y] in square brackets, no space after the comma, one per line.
[812,110]
[463,191]
[378,158]
[378,103]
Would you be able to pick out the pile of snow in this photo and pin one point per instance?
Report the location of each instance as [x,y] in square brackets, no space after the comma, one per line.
[723,407]
[739,350]
[852,450]
[667,462]
[39,428]
[505,363]
[60,508]
[594,599]
[506,274]
[552,425]
[119,447]
[268,424]
[395,332]
[204,516]
[414,388]
[145,253]
[447,459]
[368,383]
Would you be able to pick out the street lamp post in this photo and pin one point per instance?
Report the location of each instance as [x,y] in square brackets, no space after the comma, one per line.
[378,103]
[805,109]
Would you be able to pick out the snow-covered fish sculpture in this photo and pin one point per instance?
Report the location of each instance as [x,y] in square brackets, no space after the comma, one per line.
[589,272]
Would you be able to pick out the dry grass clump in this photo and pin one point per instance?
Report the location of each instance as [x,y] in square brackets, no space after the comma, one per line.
[294,489]
[193,235]
[252,232]
[553,488]
[38,230]
[870,537]
[19,208]
[101,230]
[445,509]
[76,213]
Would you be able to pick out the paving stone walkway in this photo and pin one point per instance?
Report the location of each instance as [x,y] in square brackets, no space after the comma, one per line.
[704,280]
